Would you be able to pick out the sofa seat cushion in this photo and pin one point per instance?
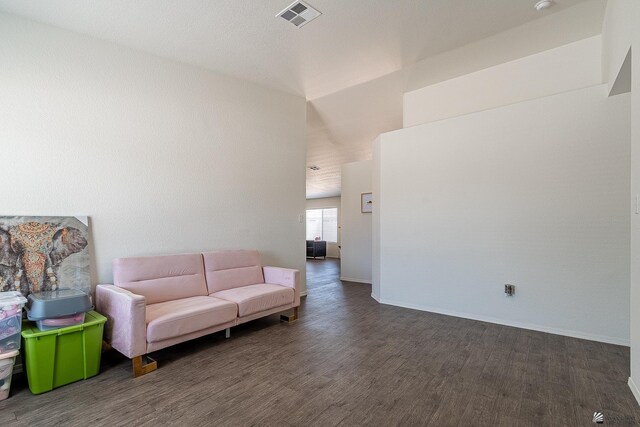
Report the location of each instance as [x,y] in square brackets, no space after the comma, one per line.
[172,319]
[256,298]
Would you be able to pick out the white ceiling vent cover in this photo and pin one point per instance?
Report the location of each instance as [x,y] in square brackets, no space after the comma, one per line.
[299,13]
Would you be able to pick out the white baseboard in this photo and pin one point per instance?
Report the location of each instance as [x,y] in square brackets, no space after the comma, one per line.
[531,326]
[351,279]
[375,297]
[634,389]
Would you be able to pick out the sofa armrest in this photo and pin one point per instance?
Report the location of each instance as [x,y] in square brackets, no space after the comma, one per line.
[285,277]
[126,328]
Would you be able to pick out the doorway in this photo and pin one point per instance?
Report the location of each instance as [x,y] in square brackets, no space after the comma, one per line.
[323,242]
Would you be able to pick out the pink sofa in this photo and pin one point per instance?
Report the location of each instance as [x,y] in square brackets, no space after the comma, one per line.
[156,302]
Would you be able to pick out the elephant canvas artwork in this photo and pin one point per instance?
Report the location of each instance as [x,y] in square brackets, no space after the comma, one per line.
[43,253]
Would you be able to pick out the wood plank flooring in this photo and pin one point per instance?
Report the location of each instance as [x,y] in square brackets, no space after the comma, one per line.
[350,361]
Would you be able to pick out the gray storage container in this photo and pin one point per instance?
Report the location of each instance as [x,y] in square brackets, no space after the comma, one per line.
[58,303]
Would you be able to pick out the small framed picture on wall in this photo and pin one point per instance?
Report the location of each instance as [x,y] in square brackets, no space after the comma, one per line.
[366,203]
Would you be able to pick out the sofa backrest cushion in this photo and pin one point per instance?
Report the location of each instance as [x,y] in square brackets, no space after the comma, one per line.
[232,269]
[161,278]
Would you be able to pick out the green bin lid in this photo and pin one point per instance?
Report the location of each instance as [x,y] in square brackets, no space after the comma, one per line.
[91,318]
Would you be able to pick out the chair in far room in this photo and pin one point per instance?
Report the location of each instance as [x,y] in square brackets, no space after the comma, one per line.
[316,249]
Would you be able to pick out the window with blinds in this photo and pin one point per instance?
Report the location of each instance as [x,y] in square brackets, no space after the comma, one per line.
[322,223]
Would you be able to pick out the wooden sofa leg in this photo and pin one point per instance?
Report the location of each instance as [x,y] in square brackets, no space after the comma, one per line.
[139,369]
[292,318]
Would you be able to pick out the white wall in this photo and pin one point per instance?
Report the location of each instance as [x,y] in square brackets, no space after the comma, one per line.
[635,196]
[534,194]
[572,24]
[573,66]
[376,220]
[333,249]
[355,263]
[617,34]
[622,32]
[162,156]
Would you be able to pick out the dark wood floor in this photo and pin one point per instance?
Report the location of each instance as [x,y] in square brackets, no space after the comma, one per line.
[349,361]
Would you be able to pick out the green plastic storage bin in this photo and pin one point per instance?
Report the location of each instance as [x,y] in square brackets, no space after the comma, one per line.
[61,356]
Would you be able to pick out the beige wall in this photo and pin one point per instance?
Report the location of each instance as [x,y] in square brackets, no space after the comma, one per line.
[333,248]
[163,157]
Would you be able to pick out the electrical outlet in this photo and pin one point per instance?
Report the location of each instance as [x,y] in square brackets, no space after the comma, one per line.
[509,289]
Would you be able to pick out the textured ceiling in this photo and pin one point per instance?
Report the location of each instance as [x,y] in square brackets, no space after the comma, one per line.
[353,42]
[341,127]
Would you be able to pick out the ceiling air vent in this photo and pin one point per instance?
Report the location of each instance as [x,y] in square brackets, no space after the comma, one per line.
[299,13]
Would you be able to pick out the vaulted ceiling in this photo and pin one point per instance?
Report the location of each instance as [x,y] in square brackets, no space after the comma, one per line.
[352,43]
